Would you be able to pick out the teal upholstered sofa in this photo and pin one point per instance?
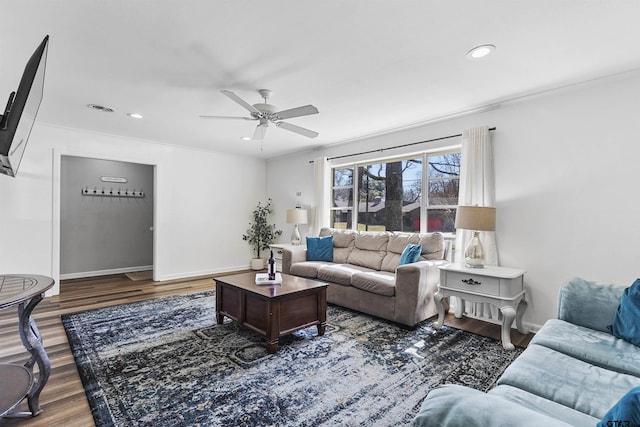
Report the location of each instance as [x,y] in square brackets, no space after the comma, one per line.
[572,373]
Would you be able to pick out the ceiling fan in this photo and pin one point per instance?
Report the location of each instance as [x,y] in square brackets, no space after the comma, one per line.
[265,113]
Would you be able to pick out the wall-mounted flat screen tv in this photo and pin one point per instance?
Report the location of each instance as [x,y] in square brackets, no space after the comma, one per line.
[21,110]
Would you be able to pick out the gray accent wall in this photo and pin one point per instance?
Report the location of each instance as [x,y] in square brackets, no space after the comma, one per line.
[104,234]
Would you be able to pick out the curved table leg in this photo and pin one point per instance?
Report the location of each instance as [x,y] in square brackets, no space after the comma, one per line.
[508,313]
[32,341]
[522,306]
[438,297]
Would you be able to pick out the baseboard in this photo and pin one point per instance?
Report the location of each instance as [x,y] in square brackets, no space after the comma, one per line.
[83,274]
[183,275]
[186,275]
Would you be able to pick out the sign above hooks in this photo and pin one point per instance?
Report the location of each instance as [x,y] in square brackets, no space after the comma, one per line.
[111,192]
[118,179]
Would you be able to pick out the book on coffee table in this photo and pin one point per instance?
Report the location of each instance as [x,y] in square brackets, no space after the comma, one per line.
[263,279]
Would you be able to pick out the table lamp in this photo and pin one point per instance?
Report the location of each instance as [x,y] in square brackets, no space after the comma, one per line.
[296,216]
[476,219]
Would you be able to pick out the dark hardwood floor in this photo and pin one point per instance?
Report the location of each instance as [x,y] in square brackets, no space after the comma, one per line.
[486,329]
[63,399]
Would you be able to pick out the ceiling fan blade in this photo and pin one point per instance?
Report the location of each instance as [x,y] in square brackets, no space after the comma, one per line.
[227,117]
[297,112]
[259,133]
[297,129]
[240,101]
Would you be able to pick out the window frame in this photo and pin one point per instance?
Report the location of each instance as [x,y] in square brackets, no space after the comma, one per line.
[425,205]
[334,187]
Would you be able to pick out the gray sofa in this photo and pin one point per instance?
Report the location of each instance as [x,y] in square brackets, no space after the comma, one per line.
[365,275]
[572,373]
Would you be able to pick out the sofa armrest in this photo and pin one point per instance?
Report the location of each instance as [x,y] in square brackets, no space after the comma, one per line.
[291,256]
[416,284]
[589,304]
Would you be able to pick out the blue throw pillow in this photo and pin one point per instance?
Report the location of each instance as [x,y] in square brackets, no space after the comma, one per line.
[624,413]
[320,248]
[626,322]
[410,254]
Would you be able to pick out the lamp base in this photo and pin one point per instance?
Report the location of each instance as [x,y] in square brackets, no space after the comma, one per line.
[296,240]
[468,265]
[474,253]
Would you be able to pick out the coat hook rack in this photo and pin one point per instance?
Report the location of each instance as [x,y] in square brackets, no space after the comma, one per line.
[111,192]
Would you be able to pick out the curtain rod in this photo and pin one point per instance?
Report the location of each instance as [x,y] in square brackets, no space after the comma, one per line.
[380,150]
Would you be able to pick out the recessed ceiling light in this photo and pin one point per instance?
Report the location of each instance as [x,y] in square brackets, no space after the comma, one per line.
[102,108]
[246,138]
[135,115]
[480,51]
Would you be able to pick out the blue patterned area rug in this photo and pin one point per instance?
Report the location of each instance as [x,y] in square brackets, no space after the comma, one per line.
[165,362]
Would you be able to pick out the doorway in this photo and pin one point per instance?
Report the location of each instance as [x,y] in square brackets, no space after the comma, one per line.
[106,217]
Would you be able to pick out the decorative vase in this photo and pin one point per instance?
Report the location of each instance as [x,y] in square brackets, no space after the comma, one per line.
[257,263]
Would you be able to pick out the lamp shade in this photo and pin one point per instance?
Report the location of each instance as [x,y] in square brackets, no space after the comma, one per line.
[296,216]
[478,218]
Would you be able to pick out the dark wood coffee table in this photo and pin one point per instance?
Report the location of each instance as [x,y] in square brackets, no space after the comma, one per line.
[272,310]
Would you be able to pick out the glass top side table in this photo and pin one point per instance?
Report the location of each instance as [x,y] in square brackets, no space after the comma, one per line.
[25,292]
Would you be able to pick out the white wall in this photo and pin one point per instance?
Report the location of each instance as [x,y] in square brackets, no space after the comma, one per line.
[566,183]
[198,196]
[566,191]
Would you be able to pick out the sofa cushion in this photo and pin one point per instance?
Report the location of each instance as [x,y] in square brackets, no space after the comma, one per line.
[377,282]
[626,412]
[626,322]
[455,405]
[320,248]
[343,242]
[568,381]
[398,242]
[410,254]
[339,273]
[590,304]
[369,251]
[432,246]
[590,346]
[543,406]
[306,268]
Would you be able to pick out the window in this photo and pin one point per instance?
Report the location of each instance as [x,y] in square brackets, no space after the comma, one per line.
[390,194]
[342,198]
[442,194]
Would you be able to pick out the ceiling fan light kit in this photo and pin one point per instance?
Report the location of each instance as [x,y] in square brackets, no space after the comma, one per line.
[265,113]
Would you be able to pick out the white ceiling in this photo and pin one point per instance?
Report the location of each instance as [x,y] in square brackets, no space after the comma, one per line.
[368,65]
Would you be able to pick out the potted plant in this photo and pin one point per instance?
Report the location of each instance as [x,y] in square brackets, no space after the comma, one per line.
[260,233]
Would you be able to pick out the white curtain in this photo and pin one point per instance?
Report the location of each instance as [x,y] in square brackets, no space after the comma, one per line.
[322,176]
[477,188]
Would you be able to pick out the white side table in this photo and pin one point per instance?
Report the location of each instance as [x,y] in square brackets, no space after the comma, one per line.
[277,252]
[499,286]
